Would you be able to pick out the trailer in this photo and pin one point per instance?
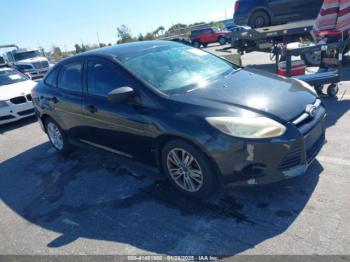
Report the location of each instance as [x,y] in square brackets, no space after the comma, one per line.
[265,38]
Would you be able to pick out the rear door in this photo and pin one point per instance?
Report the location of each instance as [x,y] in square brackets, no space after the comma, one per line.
[210,36]
[118,128]
[284,9]
[64,96]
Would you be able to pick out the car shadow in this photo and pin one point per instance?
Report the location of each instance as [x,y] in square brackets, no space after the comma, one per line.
[103,197]
[18,124]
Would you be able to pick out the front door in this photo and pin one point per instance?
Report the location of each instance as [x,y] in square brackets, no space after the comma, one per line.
[114,127]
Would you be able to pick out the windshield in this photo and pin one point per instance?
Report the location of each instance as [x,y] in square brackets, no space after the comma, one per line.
[26,55]
[11,76]
[174,69]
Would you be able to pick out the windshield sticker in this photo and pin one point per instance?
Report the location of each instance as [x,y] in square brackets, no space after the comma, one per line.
[197,52]
[14,77]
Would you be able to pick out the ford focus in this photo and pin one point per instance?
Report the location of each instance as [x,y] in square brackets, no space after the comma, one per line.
[204,121]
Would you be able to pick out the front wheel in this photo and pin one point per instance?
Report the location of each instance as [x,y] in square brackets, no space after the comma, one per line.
[196,44]
[57,136]
[188,169]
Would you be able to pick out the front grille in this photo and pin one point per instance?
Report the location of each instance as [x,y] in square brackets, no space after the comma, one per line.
[41,65]
[18,100]
[29,97]
[26,112]
[2,118]
[312,144]
[293,158]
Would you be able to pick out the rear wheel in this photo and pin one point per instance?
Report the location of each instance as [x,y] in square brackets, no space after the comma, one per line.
[222,40]
[188,169]
[57,137]
[259,19]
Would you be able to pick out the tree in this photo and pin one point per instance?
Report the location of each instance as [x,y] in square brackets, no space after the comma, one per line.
[56,51]
[148,36]
[77,48]
[159,30]
[140,37]
[124,34]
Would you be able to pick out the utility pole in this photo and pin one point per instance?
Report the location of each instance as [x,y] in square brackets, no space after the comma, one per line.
[98,39]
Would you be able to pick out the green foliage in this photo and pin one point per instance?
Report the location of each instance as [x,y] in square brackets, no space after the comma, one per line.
[124,35]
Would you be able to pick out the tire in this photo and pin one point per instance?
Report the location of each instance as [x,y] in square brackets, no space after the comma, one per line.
[196,44]
[332,90]
[312,58]
[57,136]
[203,176]
[222,40]
[205,45]
[259,19]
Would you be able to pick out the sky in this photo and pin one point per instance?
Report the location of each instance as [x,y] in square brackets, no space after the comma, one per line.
[63,23]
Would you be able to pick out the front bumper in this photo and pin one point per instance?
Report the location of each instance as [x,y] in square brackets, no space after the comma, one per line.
[253,162]
[36,74]
[14,112]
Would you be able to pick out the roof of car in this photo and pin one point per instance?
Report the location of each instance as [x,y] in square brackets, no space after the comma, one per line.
[120,50]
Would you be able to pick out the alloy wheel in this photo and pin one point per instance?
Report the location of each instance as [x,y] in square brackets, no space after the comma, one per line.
[184,170]
[55,136]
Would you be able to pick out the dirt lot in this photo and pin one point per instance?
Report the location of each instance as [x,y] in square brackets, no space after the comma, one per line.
[96,203]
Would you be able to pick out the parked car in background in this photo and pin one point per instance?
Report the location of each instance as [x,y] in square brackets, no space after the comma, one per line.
[201,119]
[15,95]
[29,61]
[205,36]
[2,61]
[260,13]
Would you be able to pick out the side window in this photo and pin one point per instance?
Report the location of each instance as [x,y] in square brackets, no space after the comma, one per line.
[51,78]
[70,77]
[103,77]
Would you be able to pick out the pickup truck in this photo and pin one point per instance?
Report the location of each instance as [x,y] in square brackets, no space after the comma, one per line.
[205,36]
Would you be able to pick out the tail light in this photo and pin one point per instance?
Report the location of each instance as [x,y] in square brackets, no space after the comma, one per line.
[33,93]
[236,6]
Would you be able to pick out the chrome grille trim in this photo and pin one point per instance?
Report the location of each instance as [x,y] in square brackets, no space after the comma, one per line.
[305,116]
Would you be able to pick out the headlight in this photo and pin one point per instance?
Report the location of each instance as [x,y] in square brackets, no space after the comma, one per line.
[3,104]
[257,127]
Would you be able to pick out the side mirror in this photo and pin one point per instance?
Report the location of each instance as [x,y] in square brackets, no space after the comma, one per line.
[121,94]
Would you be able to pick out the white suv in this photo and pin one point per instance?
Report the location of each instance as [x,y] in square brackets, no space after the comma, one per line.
[15,98]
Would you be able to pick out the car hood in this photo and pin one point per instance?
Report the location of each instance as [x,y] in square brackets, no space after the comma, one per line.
[17,89]
[258,91]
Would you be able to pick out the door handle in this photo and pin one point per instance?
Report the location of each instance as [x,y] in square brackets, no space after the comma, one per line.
[91,108]
[54,100]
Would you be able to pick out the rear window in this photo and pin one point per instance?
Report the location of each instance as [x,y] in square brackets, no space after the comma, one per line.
[51,78]
[70,77]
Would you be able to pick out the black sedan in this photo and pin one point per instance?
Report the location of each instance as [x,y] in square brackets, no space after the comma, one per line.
[202,120]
